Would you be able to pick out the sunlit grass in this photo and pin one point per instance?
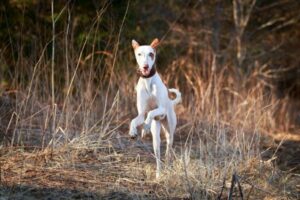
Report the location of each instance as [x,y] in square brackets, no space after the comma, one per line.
[69,134]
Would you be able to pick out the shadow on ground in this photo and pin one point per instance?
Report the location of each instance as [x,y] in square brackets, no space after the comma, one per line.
[286,154]
[24,192]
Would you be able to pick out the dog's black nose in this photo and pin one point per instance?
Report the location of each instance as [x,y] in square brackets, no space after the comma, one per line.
[146,67]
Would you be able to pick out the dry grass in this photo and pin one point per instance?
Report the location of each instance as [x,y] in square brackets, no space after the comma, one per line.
[119,168]
[65,132]
[100,161]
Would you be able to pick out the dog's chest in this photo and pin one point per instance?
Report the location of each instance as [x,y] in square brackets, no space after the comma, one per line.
[148,88]
[151,103]
[151,99]
[146,85]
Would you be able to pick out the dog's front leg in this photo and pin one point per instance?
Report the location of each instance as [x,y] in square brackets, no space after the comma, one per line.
[160,111]
[141,106]
[134,123]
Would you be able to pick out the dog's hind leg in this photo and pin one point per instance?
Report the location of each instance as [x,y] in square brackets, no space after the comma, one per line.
[169,129]
[155,130]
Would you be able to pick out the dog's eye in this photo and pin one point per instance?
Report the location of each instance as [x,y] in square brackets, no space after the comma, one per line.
[139,54]
[151,55]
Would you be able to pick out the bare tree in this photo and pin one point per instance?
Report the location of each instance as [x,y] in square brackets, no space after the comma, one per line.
[241,13]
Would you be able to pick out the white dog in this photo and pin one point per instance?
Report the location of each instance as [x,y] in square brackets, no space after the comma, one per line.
[153,99]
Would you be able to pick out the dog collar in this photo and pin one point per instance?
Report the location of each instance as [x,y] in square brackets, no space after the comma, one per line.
[152,73]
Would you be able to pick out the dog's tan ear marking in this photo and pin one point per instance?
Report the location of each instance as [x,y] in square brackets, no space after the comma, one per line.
[154,43]
[135,44]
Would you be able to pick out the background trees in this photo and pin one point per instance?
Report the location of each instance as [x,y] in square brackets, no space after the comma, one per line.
[247,38]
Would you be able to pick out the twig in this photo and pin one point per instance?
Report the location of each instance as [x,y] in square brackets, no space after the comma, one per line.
[186,178]
[52,73]
[223,186]
[231,187]
[240,187]
[235,180]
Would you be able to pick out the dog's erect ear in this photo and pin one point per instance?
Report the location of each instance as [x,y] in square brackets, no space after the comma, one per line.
[154,43]
[135,44]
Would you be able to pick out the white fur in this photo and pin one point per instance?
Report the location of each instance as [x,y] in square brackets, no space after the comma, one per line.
[143,58]
[153,91]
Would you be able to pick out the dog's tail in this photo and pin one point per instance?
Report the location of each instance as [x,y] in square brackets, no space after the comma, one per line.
[178,96]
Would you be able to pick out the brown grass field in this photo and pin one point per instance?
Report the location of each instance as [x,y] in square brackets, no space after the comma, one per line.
[65,117]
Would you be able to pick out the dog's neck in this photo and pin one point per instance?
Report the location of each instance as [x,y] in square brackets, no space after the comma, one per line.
[152,73]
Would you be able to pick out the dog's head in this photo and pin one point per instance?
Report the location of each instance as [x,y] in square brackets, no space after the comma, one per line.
[145,56]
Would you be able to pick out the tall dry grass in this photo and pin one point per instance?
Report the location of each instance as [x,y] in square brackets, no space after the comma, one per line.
[69,115]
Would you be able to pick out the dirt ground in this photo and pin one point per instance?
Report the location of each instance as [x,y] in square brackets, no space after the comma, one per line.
[121,169]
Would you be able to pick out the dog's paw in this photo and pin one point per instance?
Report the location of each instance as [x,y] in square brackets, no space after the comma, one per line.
[146,129]
[133,133]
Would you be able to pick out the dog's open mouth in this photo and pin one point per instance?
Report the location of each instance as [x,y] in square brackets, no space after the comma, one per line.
[145,72]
